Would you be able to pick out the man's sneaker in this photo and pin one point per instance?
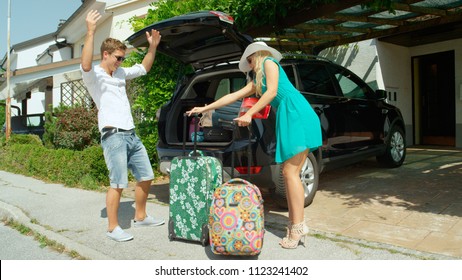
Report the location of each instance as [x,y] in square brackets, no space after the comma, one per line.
[118,234]
[149,222]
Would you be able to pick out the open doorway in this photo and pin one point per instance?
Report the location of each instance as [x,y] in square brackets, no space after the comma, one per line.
[434,99]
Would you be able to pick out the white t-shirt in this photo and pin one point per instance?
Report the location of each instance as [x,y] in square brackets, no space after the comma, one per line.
[110,96]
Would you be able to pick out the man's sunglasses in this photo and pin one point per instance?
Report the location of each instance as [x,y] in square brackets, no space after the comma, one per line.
[119,58]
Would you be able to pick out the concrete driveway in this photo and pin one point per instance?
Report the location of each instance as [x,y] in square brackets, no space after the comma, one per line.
[417,206]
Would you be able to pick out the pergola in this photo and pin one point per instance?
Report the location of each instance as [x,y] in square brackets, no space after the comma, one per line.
[411,23]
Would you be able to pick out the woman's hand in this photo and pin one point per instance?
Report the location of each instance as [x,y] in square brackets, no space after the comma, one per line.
[243,120]
[196,110]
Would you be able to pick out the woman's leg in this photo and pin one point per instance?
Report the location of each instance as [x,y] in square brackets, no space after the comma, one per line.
[295,200]
[294,188]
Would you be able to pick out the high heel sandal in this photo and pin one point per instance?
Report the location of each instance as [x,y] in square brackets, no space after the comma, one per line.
[306,230]
[300,229]
[288,228]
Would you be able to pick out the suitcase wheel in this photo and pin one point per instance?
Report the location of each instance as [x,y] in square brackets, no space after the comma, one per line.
[171,231]
[205,235]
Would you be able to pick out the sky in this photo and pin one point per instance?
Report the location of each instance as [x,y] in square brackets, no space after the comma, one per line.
[30,19]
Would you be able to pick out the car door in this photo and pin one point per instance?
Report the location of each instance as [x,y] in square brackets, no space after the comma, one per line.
[363,117]
[318,87]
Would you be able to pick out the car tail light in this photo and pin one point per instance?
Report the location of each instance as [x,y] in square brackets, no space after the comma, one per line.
[223,17]
[244,169]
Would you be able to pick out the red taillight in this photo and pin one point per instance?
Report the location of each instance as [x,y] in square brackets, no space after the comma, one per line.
[244,169]
[223,17]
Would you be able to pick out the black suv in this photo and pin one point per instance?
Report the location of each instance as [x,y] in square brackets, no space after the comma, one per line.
[356,121]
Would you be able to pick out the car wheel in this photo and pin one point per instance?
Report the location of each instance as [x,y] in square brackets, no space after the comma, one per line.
[395,152]
[310,179]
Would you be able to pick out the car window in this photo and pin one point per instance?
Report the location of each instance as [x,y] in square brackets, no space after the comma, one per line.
[35,121]
[315,79]
[350,85]
[198,90]
[350,88]
[213,88]
[290,74]
[228,85]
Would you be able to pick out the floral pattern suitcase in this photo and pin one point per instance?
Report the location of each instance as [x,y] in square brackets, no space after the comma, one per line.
[193,180]
[236,221]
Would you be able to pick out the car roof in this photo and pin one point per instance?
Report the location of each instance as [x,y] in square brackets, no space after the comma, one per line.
[201,38]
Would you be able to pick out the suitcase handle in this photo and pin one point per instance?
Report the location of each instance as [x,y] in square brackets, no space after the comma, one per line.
[196,153]
[185,124]
[238,181]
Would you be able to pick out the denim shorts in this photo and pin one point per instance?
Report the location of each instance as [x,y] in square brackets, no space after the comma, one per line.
[123,151]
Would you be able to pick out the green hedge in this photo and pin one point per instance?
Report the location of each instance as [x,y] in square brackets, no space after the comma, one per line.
[25,154]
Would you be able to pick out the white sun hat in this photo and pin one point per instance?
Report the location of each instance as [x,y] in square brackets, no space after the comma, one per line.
[252,48]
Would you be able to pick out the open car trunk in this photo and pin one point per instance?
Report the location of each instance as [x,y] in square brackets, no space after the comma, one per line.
[204,89]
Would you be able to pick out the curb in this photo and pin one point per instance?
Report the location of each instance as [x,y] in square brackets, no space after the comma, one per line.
[8,211]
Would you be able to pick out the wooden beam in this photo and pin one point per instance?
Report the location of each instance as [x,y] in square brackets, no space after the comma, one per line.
[367,19]
[309,27]
[394,31]
[297,33]
[303,14]
[418,9]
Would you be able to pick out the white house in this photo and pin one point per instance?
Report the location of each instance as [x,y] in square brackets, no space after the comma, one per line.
[46,70]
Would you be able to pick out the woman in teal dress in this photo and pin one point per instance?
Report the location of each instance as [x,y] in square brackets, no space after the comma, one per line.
[297,126]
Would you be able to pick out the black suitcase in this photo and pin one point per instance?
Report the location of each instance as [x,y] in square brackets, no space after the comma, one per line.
[217,134]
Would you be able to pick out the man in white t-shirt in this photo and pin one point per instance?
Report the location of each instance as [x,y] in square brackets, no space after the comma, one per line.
[122,148]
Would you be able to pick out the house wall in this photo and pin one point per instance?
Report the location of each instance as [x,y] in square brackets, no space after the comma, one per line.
[62,54]
[360,57]
[26,57]
[117,26]
[395,71]
[121,28]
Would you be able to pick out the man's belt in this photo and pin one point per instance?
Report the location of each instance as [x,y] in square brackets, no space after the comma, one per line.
[108,131]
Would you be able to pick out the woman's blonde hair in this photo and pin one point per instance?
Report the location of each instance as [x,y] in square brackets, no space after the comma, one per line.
[259,57]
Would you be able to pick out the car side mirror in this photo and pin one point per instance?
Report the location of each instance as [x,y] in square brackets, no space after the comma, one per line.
[380,94]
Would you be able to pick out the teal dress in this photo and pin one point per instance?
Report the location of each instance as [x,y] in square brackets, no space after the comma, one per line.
[297,125]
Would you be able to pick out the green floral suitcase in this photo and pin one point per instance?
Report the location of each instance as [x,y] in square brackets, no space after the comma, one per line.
[193,180]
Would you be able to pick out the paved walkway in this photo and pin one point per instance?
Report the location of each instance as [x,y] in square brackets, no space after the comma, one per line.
[416,206]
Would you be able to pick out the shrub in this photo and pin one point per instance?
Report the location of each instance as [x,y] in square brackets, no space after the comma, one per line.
[22,139]
[85,169]
[74,128]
